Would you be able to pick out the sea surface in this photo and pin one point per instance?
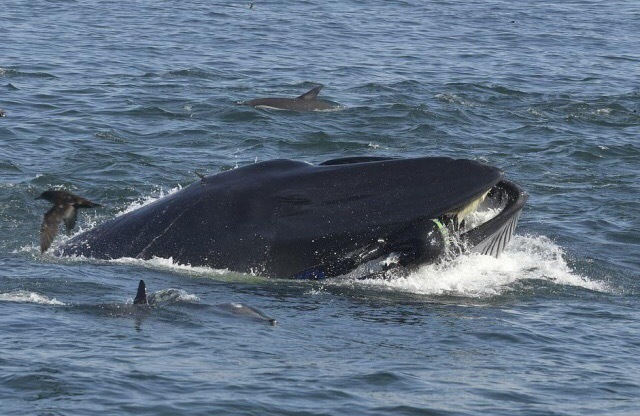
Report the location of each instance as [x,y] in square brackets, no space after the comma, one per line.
[123,102]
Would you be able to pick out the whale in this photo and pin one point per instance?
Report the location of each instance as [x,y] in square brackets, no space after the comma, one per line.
[292,219]
[306,102]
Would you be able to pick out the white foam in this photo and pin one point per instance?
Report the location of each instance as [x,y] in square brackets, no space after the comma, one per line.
[333,109]
[187,297]
[474,275]
[168,264]
[148,200]
[535,112]
[375,146]
[27,248]
[454,99]
[24,296]
[168,296]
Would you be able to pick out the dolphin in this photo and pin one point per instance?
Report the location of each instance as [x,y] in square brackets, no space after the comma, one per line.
[141,295]
[162,297]
[65,209]
[291,219]
[143,305]
[171,295]
[249,312]
[306,102]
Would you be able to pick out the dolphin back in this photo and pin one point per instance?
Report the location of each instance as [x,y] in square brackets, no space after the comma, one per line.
[312,94]
[141,295]
[306,102]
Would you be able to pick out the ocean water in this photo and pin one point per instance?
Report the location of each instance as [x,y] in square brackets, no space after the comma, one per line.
[123,102]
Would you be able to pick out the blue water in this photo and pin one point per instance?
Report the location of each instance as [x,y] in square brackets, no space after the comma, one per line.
[122,102]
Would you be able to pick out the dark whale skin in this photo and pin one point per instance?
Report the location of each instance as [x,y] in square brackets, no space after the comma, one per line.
[281,217]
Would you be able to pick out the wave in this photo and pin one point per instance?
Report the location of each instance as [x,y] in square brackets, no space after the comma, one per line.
[196,73]
[472,275]
[170,296]
[24,296]
[111,135]
[151,111]
[13,73]
[455,99]
[605,111]
[166,264]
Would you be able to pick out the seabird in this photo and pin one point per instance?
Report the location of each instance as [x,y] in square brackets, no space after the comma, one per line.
[65,208]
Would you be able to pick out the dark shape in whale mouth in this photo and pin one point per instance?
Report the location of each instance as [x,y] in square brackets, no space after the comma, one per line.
[488,228]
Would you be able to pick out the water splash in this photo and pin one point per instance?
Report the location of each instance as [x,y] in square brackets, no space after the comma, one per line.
[170,296]
[144,201]
[24,296]
[169,264]
[474,275]
[470,275]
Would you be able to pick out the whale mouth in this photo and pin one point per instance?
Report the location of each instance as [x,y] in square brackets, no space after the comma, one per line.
[487,224]
[484,224]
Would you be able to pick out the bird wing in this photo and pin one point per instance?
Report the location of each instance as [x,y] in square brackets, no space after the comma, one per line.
[84,203]
[50,224]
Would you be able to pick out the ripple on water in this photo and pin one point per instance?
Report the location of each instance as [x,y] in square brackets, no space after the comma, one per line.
[14,73]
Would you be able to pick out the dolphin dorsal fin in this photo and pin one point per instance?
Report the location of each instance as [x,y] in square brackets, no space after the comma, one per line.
[312,94]
[141,296]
